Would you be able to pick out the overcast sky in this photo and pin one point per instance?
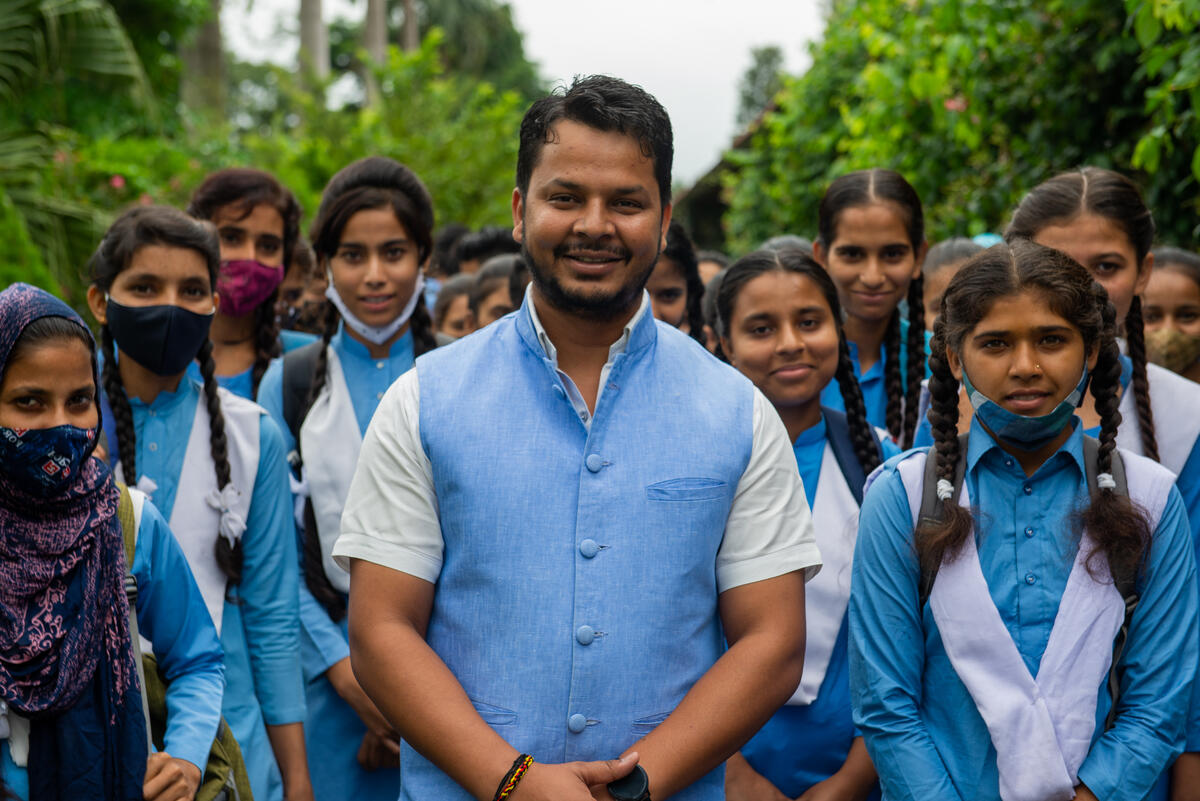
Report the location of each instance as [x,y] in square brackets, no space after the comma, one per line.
[690,54]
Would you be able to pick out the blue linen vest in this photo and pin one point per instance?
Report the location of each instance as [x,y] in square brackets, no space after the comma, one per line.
[577,602]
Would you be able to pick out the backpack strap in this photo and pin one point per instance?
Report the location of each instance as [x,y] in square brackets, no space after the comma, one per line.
[1126,585]
[128,517]
[931,505]
[837,434]
[298,366]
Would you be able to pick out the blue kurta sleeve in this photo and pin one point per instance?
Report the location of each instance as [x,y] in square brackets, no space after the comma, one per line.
[322,642]
[1156,670]
[887,649]
[172,615]
[269,592]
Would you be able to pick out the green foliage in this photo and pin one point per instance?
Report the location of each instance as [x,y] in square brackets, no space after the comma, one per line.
[761,81]
[458,135]
[975,102]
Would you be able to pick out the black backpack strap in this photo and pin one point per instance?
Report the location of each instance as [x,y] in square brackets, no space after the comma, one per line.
[837,434]
[1127,585]
[298,366]
[931,505]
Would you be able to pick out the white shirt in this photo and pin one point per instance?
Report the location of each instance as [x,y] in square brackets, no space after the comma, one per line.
[391,514]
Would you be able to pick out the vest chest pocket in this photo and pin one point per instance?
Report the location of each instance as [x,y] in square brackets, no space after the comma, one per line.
[494,715]
[687,489]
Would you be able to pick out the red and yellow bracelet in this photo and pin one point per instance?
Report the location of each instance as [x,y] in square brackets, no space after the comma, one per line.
[513,777]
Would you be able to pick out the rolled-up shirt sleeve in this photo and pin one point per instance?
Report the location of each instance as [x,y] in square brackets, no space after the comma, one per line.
[769,531]
[391,514]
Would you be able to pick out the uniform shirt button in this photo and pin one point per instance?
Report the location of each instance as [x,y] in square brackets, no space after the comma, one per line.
[589,548]
[1008,462]
[594,462]
[1029,531]
[379,365]
[1030,578]
[1028,489]
[576,723]
[153,446]
[585,635]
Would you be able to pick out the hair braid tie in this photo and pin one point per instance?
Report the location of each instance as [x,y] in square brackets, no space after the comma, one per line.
[1105,481]
[945,489]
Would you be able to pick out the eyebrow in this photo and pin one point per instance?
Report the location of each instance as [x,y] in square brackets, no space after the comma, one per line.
[576,187]
[1042,329]
[397,241]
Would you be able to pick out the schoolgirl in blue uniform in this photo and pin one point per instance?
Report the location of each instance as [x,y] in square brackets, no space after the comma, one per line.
[258,223]
[982,635]
[214,465]
[872,243]
[373,231]
[780,324]
[1098,217]
[71,723]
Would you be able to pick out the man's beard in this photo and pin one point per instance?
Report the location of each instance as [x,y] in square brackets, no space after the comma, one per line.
[589,305]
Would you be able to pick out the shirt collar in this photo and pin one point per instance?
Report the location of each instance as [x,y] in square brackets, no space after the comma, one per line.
[981,443]
[614,350]
[167,400]
[348,345]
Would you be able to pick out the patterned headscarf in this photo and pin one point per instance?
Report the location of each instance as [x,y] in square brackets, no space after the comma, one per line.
[65,646]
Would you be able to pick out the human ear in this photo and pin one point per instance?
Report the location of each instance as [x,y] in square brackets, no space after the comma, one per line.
[1143,276]
[518,214]
[666,223]
[819,254]
[97,304]
[1093,357]
[955,363]
[727,349]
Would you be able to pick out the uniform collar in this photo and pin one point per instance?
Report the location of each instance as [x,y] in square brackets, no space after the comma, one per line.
[349,346]
[981,443]
[636,334]
[166,401]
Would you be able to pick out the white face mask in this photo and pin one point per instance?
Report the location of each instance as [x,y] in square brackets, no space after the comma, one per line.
[375,334]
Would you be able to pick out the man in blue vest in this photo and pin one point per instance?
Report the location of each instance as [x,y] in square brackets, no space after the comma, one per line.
[557,522]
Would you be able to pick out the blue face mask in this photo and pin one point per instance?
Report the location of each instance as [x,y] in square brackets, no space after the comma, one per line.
[44,461]
[1029,433]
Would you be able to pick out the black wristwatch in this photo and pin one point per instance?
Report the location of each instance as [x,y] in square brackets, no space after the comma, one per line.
[634,787]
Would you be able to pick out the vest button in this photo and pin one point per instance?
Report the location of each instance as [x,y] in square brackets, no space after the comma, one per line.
[585,635]
[589,548]
[594,462]
[576,723]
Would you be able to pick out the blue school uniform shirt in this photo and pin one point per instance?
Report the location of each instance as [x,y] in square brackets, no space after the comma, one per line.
[921,726]
[171,613]
[242,384]
[874,388]
[258,633]
[803,745]
[335,730]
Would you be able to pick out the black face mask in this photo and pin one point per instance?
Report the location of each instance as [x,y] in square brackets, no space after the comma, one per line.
[163,339]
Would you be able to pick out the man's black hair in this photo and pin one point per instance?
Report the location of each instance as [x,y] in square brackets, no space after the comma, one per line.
[488,241]
[606,104]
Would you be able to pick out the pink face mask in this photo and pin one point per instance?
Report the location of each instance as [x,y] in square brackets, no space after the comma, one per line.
[244,284]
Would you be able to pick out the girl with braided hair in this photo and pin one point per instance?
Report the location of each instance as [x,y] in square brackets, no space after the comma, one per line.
[258,225]
[872,242]
[71,721]
[213,464]
[986,631]
[780,324]
[372,234]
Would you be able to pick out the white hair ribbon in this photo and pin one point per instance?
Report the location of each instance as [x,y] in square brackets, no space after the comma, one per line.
[232,524]
[1105,481]
[944,489]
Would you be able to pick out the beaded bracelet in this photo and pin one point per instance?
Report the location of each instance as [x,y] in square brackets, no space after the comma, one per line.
[513,777]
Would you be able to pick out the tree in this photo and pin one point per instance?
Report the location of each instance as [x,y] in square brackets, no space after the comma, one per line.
[759,84]
[314,40]
[975,102]
[203,81]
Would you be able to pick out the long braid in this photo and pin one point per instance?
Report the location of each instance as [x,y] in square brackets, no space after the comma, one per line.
[118,401]
[1135,336]
[915,361]
[861,435]
[935,540]
[314,569]
[421,325]
[229,558]
[266,340]
[893,384]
